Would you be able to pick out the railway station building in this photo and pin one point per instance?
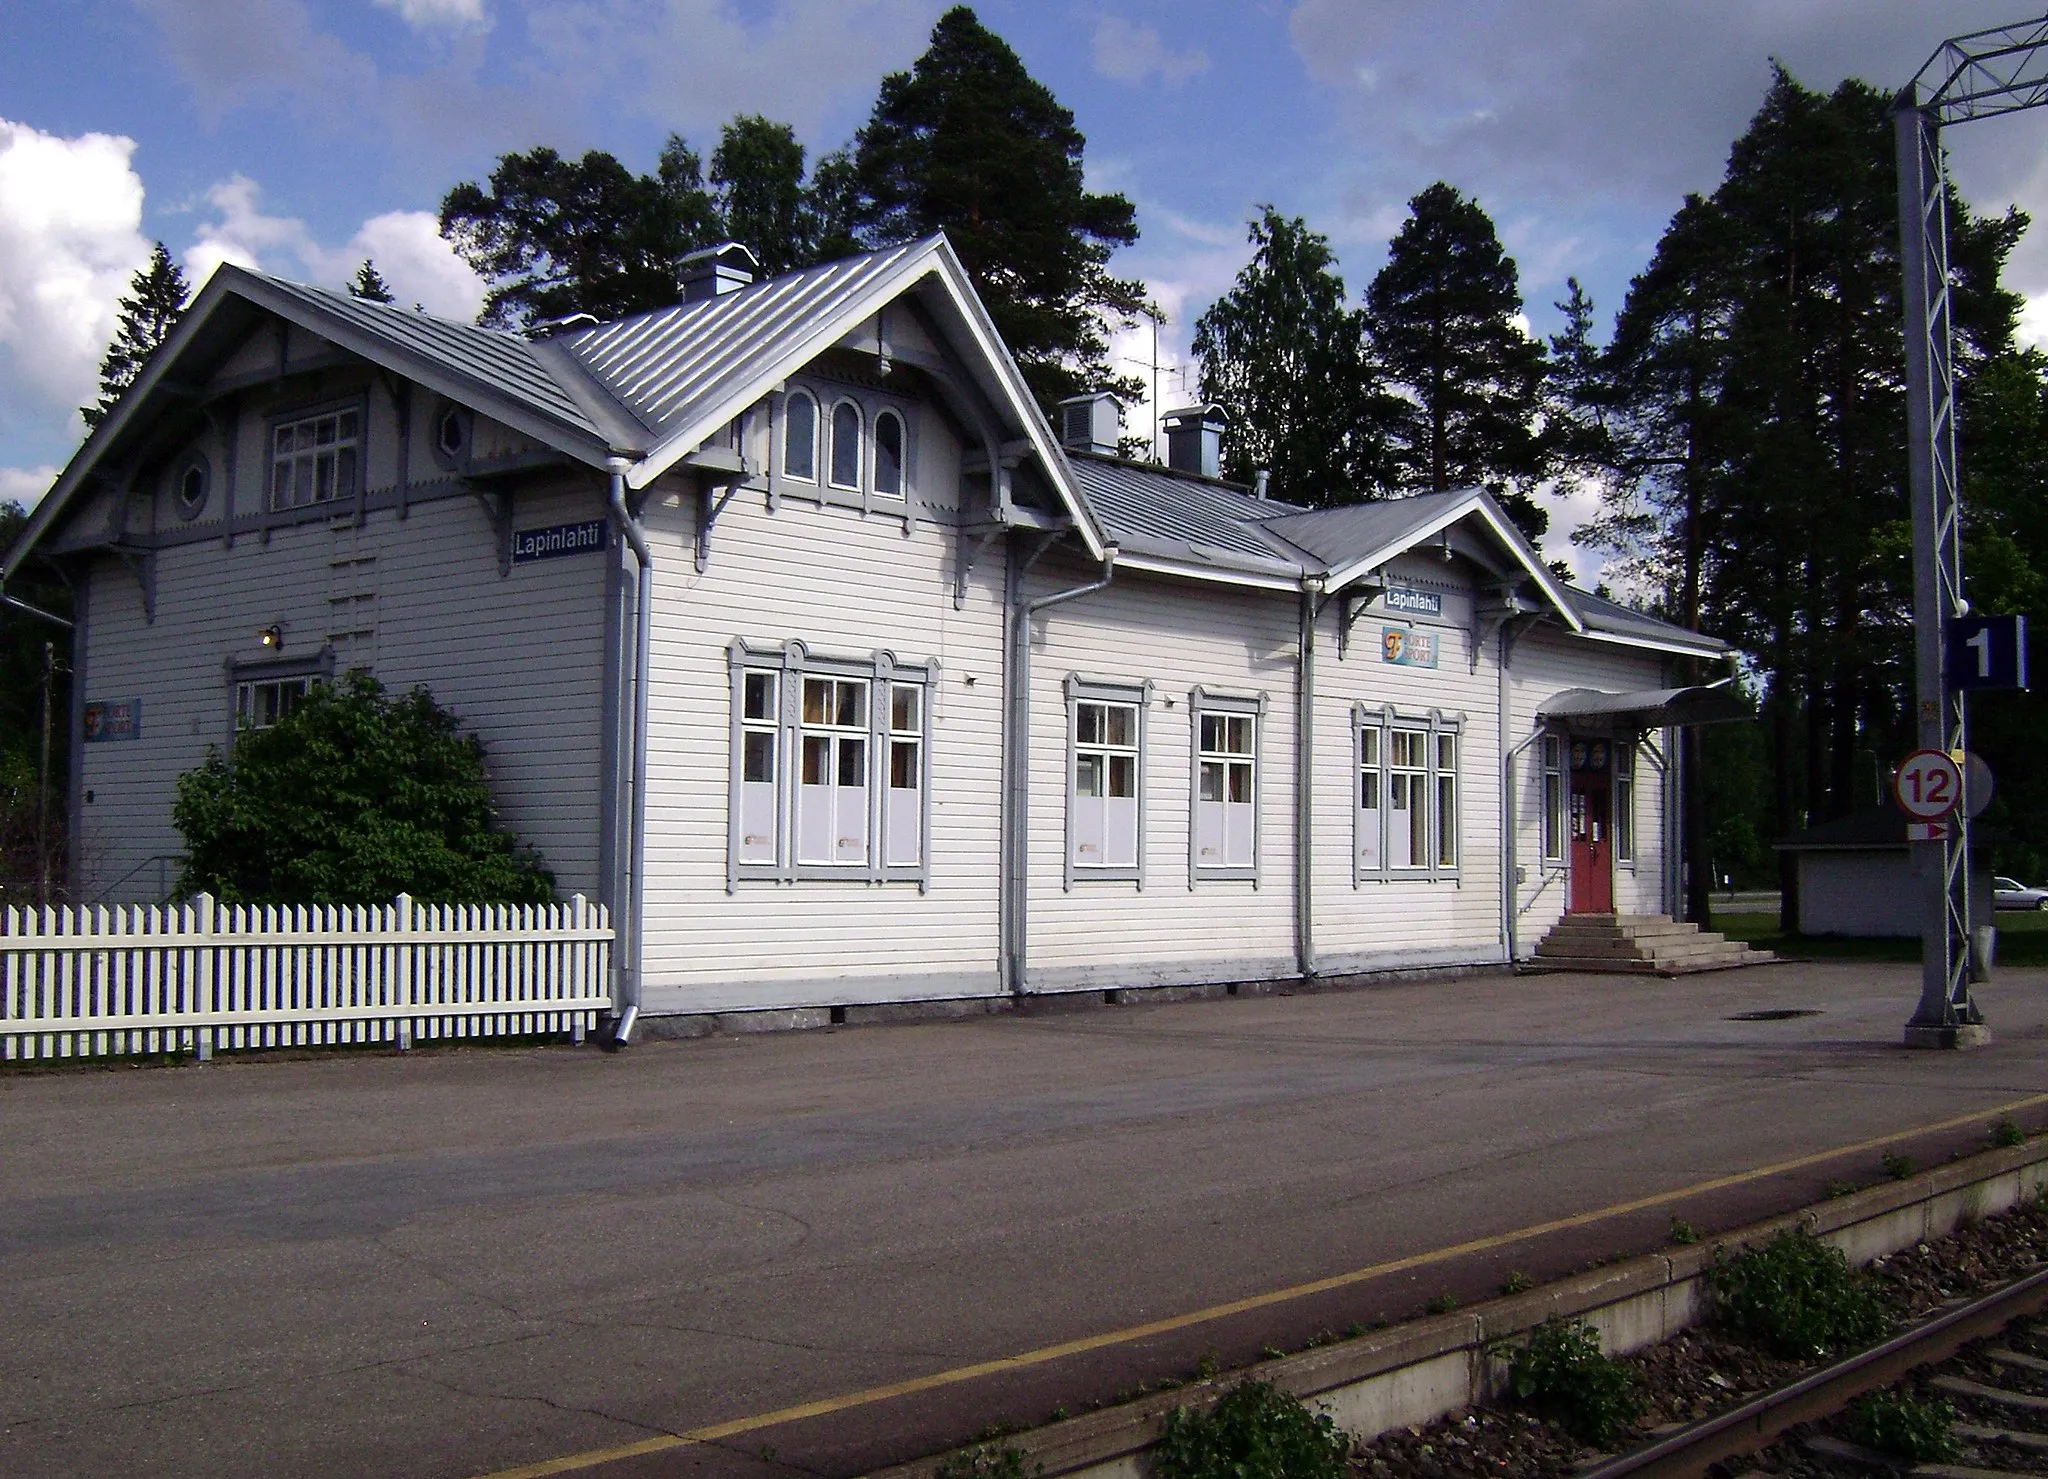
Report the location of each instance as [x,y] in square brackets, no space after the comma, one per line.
[798,635]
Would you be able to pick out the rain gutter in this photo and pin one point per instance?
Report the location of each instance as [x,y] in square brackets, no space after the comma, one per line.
[629,808]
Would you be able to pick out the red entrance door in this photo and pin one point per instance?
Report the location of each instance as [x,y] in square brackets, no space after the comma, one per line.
[1592,866]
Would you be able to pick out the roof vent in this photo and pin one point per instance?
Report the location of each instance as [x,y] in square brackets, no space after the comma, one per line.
[548,328]
[1091,423]
[1194,440]
[710,271]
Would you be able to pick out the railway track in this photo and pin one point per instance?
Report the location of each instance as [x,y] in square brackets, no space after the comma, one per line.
[2001,1391]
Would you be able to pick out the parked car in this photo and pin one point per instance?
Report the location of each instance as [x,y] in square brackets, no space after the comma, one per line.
[2010,893]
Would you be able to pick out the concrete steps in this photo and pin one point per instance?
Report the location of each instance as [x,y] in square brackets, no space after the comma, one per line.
[1640,944]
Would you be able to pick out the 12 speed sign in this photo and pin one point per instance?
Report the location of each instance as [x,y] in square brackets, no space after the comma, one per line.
[1929,785]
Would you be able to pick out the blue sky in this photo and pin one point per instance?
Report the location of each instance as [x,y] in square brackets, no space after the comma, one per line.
[301,136]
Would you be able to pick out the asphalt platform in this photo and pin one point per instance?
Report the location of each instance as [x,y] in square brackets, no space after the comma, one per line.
[823,1252]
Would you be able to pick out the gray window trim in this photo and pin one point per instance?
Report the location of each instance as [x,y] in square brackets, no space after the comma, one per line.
[238,671]
[444,459]
[1080,689]
[794,661]
[1554,862]
[827,395]
[359,402]
[1624,752]
[1387,718]
[174,489]
[1210,701]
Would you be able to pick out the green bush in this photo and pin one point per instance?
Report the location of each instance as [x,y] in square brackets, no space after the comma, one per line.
[1895,1423]
[986,1462]
[1562,1374]
[353,798]
[1256,1431]
[1797,1297]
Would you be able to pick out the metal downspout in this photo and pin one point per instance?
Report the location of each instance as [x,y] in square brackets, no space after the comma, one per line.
[1016,889]
[629,891]
[1510,886]
[1304,793]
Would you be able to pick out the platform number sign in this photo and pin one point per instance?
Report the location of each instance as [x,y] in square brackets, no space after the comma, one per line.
[1986,652]
[1929,785]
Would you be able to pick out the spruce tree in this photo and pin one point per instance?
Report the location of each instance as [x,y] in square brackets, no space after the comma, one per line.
[1285,358]
[1441,315]
[757,176]
[156,300]
[369,285]
[969,142]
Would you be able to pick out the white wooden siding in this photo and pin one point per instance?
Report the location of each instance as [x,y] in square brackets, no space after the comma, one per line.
[1175,635]
[1383,924]
[519,657]
[846,585]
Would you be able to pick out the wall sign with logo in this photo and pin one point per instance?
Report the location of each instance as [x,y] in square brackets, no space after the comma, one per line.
[1412,603]
[110,719]
[557,540]
[1405,647]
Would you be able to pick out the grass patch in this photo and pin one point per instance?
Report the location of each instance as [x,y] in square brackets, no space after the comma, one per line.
[1894,1423]
[2022,939]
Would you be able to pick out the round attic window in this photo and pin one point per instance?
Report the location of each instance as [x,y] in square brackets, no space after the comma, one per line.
[190,485]
[451,435]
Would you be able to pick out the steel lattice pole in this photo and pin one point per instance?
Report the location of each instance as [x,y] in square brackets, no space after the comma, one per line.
[1946,1013]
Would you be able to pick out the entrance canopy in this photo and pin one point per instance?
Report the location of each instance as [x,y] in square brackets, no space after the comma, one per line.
[1646,708]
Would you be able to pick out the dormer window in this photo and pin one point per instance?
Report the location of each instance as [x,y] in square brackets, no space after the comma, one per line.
[846,445]
[889,455]
[315,459]
[800,438]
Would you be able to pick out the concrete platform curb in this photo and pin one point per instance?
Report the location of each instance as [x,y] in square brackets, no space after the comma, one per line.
[1419,1371]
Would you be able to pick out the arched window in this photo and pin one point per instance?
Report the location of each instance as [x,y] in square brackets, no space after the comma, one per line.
[889,455]
[800,438]
[846,445]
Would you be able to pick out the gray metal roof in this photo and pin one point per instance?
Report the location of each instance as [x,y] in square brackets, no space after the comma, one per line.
[665,366]
[1603,615]
[1337,536]
[506,363]
[1154,511]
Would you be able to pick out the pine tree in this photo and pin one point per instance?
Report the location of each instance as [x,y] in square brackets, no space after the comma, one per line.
[757,174]
[156,300]
[369,285]
[1285,358]
[969,143]
[1441,316]
[555,237]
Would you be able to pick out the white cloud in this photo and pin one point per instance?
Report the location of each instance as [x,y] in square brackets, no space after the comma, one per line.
[433,14]
[1130,52]
[70,238]
[25,485]
[2033,330]
[406,246]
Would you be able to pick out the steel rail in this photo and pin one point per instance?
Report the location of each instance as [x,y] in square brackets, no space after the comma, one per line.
[1751,1425]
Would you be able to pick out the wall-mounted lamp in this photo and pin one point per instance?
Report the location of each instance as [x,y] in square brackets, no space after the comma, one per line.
[1445,548]
[271,636]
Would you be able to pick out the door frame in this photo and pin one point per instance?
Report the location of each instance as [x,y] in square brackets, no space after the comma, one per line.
[1589,768]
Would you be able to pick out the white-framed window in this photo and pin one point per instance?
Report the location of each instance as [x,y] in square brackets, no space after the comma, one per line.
[1553,798]
[800,437]
[1407,822]
[830,757]
[1105,780]
[846,446]
[888,455]
[316,459]
[1625,801]
[1223,823]
[263,703]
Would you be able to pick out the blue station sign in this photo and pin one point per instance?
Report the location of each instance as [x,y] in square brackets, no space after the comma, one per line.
[557,540]
[1412,603]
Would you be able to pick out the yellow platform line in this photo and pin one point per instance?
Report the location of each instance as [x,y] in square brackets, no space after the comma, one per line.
[868,1396]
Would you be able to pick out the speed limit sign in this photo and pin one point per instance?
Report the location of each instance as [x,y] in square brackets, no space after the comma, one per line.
[1928,785]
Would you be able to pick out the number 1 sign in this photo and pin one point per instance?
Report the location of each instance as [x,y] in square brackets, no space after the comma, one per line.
[1928,785]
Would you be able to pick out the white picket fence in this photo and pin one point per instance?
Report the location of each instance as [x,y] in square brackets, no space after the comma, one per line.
[98,981]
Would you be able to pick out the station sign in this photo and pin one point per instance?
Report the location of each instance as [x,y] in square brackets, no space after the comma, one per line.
[1928,785]
[1405,647]
[111,719]
[1985,651]
[557,540]
[1412,603]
